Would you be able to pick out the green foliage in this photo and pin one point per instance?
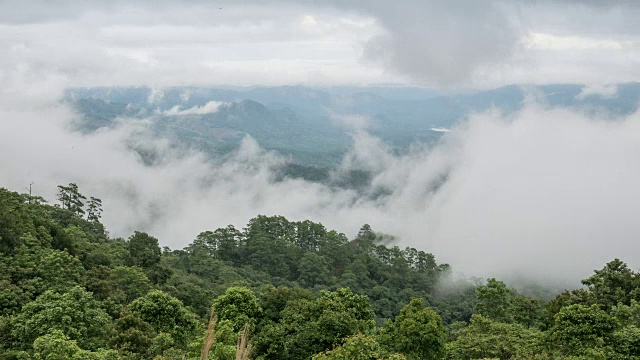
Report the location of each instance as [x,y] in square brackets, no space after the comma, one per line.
[578,327]
[566,298]
[307,326]
[273,300]
[71,199]
[132,336]
[74,312]
[625,343]
[15,220]
[523,310]
[313,270]
[165,314]
[38,269]
[238,305]
[358,347]
[417,332]
[485,338]
[57,346]
[614,284]
[144,250]
[493,300]
[63,281]
[94,209]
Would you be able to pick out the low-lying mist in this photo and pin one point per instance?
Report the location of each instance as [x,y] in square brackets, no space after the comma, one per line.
[541,194]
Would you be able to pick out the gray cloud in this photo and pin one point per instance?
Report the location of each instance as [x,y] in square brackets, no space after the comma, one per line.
[443,43]
[547,193]
[436,43]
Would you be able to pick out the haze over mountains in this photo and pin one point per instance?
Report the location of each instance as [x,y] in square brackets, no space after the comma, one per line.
[312,125]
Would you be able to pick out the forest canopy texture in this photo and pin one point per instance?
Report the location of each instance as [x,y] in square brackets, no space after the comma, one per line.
[277,289]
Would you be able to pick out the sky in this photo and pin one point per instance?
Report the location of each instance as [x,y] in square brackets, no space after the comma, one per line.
[544,193]
[443,44]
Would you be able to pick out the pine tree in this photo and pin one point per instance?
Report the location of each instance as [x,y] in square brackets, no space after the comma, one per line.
[94,209]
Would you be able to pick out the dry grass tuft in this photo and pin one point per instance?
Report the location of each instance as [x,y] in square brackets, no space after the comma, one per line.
[243,350]
[210,339]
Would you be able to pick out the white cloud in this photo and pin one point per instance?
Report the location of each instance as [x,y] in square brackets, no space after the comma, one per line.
[549,41]
[208,108]
[604,91]
[447,44]
[542,192]
[155,96]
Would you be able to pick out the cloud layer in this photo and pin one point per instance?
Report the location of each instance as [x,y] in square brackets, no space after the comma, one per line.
[445,44]
[543,193]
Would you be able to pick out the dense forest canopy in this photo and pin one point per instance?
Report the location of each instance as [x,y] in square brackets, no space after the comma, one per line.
[276,289]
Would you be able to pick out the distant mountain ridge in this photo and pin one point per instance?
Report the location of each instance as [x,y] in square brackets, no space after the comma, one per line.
[304,122]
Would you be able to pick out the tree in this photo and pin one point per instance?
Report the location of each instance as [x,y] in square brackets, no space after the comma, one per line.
[273,227]
[239,305]
[307,327]
[15,221]
[94,209]
[63,195]
[309,235]
[335,248]
[75,313]
[57,346]
[625,343]
[120,285]
[485,338]
[227,241]
[269,255]
[364,241]
[144,250]
[38,269]
[273,300]
[313,270]
[71,199]
[578,328]
[132,336]
[417,332]
[524,310]
[566,298]
[493,300]
[613,284]
[358,347]
[165,314]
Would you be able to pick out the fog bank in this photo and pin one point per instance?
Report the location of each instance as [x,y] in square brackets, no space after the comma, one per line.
[542,193]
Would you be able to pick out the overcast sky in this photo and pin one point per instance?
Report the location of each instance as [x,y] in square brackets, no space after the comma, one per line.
[445,44]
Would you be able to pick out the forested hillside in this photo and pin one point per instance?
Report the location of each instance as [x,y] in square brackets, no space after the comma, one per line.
[276,289]
[311,125]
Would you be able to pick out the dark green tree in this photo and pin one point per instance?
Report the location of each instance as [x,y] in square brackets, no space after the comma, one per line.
[144,250]
[313,270]
[75,313]
[488,339]
[493,300]
[165,314]
[58,346]
[239,305]
[358,347]
[71,199]
[417,332]
[94,209]
[578,328]
[614,284]
[307,327]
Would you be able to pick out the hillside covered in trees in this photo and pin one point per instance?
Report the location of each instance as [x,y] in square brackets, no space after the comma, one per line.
[276,289]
